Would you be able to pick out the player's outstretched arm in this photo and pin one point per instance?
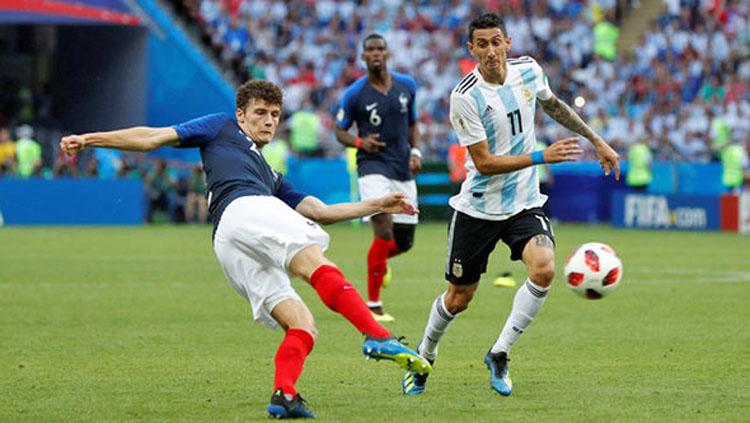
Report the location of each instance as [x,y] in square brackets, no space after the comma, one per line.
[314,209]
[486,163]
[567,117]
[139,138]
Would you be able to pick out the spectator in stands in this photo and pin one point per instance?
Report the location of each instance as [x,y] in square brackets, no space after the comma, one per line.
[28,153]
[179,198]
[196,197]
[734,164]
[158,186]
[91,167]
[130,168]
[720,132]
[65,165]
[639,175]
[276,154]
[7,152]
[236,37]
[108,162]
[304,130]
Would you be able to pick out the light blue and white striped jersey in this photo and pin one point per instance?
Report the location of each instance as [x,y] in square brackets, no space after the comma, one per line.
[503,115]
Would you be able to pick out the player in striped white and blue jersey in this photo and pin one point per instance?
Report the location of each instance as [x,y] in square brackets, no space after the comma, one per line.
[492,111]
[502,115]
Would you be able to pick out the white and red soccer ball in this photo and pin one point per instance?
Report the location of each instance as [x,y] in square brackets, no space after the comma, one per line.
[593,270]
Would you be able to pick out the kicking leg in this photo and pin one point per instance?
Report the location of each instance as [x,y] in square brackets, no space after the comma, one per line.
[335,291]
[340,296]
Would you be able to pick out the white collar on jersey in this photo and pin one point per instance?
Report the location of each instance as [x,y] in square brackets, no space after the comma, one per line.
[253,147]
[492,84]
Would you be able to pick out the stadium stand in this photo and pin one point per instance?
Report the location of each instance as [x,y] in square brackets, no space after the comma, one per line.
[683,88]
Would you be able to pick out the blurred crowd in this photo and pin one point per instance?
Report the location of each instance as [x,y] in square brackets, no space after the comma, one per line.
[175,191]
[684,90]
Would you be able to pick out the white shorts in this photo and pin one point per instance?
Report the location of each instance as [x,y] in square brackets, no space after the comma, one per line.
[376,186]
[256,239]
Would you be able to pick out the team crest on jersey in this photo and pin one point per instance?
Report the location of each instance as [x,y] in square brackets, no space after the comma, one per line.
[404,100]
[340,114]
[460,125]
[527,94]
[457,270]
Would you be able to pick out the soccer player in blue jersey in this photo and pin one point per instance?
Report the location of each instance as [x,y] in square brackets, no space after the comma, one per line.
[382,105]
[264,230]
[492,111]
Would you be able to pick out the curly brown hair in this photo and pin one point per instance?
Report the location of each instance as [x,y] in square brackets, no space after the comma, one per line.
[263,90]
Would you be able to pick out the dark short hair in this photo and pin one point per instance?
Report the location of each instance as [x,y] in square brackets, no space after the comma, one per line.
[373,36]
[488,20]
[262,90]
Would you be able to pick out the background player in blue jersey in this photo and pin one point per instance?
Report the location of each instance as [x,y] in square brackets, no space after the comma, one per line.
[492,112]
[382,105]
[262,233]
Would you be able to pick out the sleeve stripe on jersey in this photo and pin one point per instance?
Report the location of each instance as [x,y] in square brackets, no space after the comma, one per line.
[461,89]
[467,80]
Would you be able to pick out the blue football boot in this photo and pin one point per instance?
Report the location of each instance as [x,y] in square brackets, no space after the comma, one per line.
[413,383]
[392,349]
[282,408]
[499,374]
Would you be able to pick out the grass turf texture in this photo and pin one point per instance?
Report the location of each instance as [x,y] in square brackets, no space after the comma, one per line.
[103,324]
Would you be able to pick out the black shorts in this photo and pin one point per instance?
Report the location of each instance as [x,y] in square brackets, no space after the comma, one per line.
[471,240]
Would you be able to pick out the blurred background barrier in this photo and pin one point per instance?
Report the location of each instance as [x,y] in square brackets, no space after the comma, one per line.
[71,202]
[579,194]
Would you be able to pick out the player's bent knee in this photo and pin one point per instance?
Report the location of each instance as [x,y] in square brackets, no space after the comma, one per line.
[311,329]
[458,301]
[307,261]
[543,273]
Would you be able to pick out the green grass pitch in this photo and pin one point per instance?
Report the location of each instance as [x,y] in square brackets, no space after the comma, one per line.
[120,324]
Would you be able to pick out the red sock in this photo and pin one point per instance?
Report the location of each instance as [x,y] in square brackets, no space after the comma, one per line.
[377,260]
[393,249]
[341,297]
[290,359]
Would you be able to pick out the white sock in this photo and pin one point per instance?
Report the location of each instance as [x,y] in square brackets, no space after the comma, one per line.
[373,304]
[529,299]
[437,324]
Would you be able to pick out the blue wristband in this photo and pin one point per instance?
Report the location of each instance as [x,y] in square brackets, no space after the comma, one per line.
[537,157]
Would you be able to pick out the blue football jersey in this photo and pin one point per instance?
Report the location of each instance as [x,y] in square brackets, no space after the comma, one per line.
[389,115]
[233,164]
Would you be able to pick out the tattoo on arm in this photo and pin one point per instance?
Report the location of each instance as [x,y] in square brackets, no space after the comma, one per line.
[543,241]
[567,117]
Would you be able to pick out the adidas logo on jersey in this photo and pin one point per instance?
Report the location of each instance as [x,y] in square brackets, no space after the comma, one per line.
[488,110]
